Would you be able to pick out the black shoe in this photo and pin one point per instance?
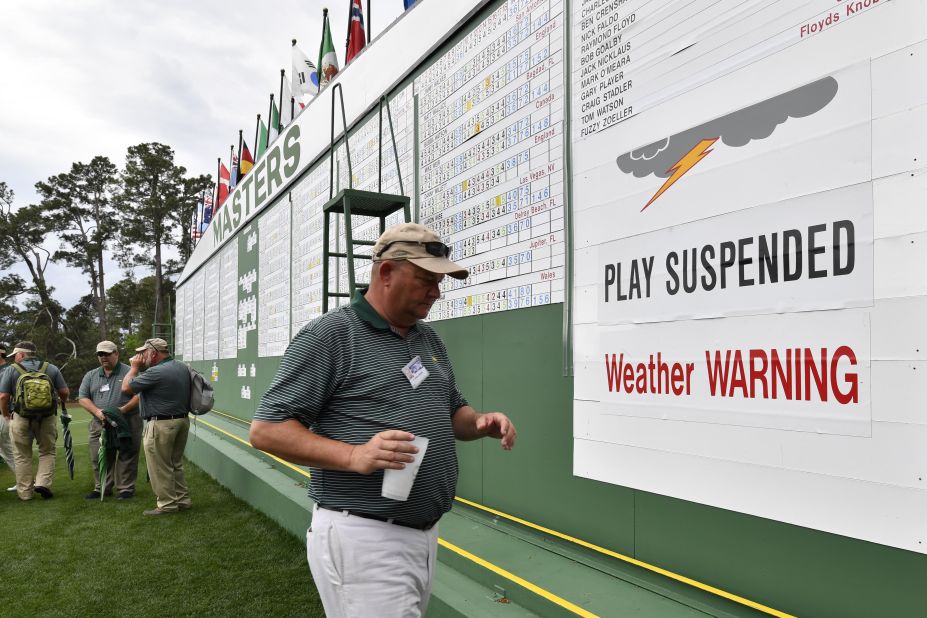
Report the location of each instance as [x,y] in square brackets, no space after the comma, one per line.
[126,495]
[45,492]
[93,495]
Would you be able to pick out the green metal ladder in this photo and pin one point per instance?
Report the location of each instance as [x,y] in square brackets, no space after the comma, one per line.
[350,201]
[165,330]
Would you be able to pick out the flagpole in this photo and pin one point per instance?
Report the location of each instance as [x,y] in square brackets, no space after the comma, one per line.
[200,221]
[215,202]
[231,167]
[257,132]
[291,68]
[270,117]
[348,40]
[238,173]
[321,46]
[280,117]
[196,220]
[292,108]
[368,24]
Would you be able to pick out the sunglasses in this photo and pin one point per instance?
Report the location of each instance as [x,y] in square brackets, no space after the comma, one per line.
[104,354]
[435,248]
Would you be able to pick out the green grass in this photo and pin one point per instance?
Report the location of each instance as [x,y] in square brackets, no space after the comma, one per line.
[72,557]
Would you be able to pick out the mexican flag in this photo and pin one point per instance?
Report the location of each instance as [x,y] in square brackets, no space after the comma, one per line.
[328,61]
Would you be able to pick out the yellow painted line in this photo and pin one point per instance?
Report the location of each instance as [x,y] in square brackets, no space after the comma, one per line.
[234,418]
[245,442]
[634,561]
[553,598]
[602,550]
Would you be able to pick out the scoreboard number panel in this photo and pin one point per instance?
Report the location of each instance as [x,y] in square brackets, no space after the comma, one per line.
[491,165]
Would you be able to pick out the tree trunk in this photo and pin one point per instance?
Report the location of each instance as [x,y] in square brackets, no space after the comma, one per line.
[101,297]
[158,275]
[38,278]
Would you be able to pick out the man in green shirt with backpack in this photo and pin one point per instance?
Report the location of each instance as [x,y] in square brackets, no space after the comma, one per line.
[34,388]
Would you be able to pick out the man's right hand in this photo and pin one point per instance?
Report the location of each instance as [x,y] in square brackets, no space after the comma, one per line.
[388,449]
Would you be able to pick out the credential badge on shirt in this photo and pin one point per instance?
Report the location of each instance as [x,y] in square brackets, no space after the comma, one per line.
[415,371]
[104,388]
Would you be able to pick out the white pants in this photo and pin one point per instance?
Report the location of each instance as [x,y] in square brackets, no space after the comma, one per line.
[363,567]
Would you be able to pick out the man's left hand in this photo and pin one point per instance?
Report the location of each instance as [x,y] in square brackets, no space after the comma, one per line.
[497,425]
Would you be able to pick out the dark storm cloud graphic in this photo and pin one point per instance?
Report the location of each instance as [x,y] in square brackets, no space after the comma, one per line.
[736,129]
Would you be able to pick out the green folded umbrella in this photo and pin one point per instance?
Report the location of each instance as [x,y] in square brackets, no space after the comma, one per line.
[101,461]
[68,441]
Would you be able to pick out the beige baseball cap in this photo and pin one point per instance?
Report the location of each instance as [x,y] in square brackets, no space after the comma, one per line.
[420,245]
[23,346]
[106,346]
[158,345]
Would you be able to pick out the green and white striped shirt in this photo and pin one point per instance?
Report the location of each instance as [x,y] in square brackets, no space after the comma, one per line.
[341,377]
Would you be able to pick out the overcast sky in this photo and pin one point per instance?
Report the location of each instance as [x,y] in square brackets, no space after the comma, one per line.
[88,78]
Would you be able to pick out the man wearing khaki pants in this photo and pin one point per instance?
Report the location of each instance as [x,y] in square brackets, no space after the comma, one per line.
[164,394]
[101,389]
[26,428]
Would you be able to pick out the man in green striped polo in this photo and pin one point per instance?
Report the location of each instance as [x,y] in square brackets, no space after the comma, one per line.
[354,389]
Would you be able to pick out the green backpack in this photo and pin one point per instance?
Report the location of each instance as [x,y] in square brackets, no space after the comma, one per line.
[34,395]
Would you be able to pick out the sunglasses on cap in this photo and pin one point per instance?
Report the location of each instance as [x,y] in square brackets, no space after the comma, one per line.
[435,248]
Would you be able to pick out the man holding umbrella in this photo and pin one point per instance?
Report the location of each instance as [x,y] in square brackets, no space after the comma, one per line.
[28,426]
[99,390]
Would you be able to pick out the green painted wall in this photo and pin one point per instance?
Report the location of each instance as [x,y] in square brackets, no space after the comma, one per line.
[511,362]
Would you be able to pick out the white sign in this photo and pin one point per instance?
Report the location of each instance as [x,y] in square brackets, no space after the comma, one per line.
[748,322]
[801,371]
[811,252]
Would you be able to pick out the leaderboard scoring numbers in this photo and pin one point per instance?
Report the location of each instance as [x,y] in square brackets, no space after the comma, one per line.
[497,208]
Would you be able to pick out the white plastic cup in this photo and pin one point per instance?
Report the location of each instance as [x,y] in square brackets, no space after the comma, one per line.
[398,483]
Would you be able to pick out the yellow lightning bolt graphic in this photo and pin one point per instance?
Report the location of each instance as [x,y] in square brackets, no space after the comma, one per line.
[687,162]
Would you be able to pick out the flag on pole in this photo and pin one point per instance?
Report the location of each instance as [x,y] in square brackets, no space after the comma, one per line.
[304,75]
[223,185]
[286,107]
[274,117]
[233,162]
[328,61]
[196,228]
[356,37]
[261,139]
[207,213]
[408,4]
[247,162]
